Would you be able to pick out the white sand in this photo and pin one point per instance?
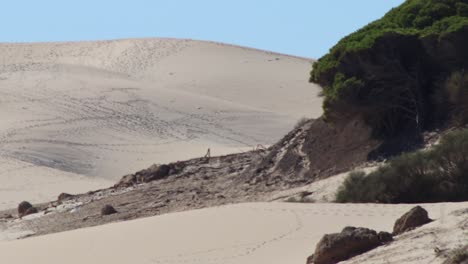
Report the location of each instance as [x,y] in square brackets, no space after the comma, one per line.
[105,109]
[273,233]
[25,181]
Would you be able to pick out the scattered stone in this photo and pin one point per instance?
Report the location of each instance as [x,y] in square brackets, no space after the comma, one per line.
[64,196]
[23,207]
[108,210]
[30,211]
[352,241]
[126,181]
[416,217]
[153,173]
[156,173]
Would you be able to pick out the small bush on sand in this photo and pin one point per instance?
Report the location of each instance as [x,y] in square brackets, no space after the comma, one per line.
[436,175]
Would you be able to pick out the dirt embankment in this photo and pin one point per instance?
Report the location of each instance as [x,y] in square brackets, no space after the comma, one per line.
[312,151]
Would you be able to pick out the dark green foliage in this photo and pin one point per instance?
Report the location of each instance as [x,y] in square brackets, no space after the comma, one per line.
[414,17]
[462,9]
[387,69]
[453,98]
[436,175]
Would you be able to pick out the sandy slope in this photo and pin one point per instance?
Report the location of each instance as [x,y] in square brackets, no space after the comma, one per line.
[113,107]
[22,180]
[244,233]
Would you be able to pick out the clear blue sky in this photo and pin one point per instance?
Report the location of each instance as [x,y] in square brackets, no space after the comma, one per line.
[299,27]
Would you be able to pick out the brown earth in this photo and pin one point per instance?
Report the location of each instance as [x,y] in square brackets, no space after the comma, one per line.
[312,151]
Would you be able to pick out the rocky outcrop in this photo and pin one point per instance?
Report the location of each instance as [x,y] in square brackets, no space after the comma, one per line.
[108,210]
[64,196]
[126,181]
[352,241]
[153,173]
[416,217]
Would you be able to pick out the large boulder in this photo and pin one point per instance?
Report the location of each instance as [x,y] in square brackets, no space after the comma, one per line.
[352,241]
[416,217]
[25,208]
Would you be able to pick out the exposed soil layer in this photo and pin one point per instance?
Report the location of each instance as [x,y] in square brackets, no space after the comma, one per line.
[312,151]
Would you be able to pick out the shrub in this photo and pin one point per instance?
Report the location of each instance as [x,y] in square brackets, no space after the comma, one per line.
[462,9]
[436,175]
[456,89]
[351,190]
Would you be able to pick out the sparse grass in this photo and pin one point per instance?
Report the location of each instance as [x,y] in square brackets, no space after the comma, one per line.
[458,256]
[436,175]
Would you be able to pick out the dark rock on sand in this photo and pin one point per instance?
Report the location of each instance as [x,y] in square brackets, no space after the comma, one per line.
[108,210]
[23,207]
[32,210]
[416,217]
[153,173]
[64,196]
[352,241]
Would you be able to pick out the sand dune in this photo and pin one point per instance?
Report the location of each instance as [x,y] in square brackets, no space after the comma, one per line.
[104,109]
[244,233]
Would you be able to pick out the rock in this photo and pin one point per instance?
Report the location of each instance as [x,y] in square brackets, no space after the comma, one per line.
[416,217]
[385,237]
[352,241]
[155,173]
[64,196]
[126,181]
[32,210]
[23,207]
[108,210]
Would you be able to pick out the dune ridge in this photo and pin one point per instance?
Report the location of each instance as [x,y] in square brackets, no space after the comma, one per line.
[103,109]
